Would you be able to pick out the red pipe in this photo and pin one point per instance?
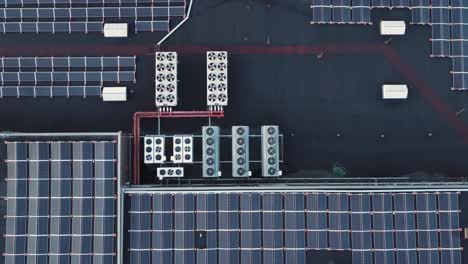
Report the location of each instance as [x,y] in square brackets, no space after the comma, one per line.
[175,114]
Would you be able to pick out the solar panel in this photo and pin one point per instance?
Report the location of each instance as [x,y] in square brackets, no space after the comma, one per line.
[294,224]
[162,241]
[341,11]
[420,12]
[401,3]
[49,91]
[321,11]
[49,63]
[382,3]
[271,227]
[104,191]
[206,221]
[60,203]
[316,210]
[272,234]
[405,228]
[16,221]
[140,228]
[360,11]
[151,26]
[250,225]
[82,202]
[58,224]
[38,222]
[426,222]
[382,218]
[338,221]
[449,235]
[184,220]
[361,228]
[228,224]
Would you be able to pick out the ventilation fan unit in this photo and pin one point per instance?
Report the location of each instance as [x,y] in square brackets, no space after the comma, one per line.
[177,149]
[270,151]
[188,149]
[148,150]
[170,172]
[217,78]
[240,151]
[159,149]
[210,137]
[166,79]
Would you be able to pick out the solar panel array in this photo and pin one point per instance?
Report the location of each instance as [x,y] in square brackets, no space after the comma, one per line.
[60,202]
[447,18]
[62,76]
[87,16]
[280,227]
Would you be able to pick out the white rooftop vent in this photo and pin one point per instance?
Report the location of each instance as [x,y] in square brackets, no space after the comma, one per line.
[116,30]
[392,28]
[114,94]
[394,91]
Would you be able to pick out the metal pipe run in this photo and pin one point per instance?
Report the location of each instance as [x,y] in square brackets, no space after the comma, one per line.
[172,114]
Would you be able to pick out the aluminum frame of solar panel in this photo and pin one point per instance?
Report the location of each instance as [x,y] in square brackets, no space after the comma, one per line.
[272,224]
[228,224]
[294,224]
[162,235]
[184,219]
[338,221]
[206,206]
[405,237]
[250,225]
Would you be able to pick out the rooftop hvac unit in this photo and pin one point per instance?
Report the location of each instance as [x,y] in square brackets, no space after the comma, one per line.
[154,149]
[148,150]
[240,151]
[210,136]
[159,149]
[217,78]
[170,172]
[182,146]
[177,149]
[188,149]
[270,151]
[166,79]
